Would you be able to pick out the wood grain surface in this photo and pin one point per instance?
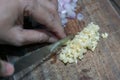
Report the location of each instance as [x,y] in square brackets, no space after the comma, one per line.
[102,64]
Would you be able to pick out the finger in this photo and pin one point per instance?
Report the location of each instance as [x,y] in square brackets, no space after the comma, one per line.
[6,69]
[56,21]
[36,36]
[48,4]
[59,30]
[19,36]
[50,21]
[55,2]
[52,8]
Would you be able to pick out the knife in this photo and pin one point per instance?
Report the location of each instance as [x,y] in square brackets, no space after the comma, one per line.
[39,55]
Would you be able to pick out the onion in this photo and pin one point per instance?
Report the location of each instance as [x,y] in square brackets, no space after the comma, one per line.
[71,14]
[66,9]
[80,16]
[64,21]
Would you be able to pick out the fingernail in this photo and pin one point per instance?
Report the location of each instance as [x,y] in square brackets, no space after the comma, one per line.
[52,39]
[6,69]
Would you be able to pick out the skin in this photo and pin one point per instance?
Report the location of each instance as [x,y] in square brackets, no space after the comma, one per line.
[11,28]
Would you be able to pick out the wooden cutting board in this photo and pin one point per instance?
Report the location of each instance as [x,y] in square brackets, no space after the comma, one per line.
[103,63]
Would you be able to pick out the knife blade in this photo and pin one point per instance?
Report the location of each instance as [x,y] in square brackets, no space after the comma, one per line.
[39,55]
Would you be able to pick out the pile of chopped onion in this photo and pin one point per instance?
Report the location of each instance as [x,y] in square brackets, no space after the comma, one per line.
[66,9]
[86,39]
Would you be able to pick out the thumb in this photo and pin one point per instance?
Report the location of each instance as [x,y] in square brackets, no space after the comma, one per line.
[6,69]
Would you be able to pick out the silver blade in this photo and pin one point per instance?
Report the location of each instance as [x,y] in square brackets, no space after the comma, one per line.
[38,55]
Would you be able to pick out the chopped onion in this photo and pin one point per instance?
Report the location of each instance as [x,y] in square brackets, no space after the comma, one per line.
[83,41]
[75,1]
[64,21]
[66,9]
[80,16]
[71,14]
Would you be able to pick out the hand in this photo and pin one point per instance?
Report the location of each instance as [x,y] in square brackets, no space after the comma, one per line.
[6,69]
[11,28]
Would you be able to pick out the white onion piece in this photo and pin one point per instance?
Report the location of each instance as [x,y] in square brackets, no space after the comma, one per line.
[80,16]
[73,6]
[63,12]
[75,1]
[64,21]
[66,1]
[63,16]
[71,14]
[67,6]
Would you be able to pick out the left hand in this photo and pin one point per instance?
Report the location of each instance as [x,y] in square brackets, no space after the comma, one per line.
[11,17]
[11,28]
